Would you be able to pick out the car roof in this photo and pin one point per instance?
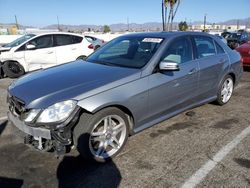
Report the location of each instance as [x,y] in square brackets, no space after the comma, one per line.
[56,33]
[166,34]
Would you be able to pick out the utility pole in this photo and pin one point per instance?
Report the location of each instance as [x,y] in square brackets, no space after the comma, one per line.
[128,23]
[238,24]
[16,22]
[205,20]
[58,26]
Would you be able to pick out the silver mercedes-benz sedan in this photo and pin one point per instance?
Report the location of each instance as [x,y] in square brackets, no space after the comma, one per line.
[132,83]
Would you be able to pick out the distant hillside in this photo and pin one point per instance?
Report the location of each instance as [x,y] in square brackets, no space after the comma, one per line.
[149,26]
[245,21]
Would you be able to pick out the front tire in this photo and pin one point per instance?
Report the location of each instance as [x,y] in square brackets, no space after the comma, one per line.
[13,69]
[225,91]
[101,136]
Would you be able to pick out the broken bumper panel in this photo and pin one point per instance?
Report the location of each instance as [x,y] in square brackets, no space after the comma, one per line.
[34,131]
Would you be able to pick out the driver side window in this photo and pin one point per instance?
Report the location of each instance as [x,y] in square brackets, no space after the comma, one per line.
[179,51]
[42,42]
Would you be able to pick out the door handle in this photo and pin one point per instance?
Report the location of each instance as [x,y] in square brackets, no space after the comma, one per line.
[192,71]
[73,48]
[49,52]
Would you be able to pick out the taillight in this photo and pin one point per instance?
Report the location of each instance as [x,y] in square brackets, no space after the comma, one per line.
[91,46]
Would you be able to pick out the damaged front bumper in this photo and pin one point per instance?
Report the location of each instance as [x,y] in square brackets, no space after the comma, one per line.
[47,138]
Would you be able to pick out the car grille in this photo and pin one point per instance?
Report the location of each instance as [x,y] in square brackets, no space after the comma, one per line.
[17,107]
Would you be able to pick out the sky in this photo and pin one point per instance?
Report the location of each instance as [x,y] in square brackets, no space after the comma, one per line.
[40,13]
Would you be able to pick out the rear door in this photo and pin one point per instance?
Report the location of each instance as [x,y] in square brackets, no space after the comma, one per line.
[43,55]
[212,62]
[68,47]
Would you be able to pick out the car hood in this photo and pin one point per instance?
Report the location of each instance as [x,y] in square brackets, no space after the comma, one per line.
[76,80]
[4,49]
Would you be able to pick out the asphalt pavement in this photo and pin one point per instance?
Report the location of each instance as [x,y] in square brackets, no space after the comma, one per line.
[208,146]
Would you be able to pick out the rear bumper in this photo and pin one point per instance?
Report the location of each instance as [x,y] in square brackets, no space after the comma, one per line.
[33,131]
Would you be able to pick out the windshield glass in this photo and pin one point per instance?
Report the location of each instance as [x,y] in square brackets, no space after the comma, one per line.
[132,52]
[19,40]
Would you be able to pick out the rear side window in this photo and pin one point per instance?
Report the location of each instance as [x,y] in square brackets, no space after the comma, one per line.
[205,46]
[219,49]
[62,40]
[77,39]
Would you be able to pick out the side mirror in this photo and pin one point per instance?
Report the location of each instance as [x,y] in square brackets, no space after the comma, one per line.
[169,66]
[30,46]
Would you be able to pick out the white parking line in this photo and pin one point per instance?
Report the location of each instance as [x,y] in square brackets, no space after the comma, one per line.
[3,118]
[199,175]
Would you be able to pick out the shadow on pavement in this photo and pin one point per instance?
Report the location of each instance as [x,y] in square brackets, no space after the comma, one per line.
[2,126]
[78,172]
[10,183]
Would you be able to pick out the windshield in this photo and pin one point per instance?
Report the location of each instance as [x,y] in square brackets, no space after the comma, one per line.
[19,40]
[132,52]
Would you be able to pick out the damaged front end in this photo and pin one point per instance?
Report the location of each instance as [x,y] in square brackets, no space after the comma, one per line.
[43,136]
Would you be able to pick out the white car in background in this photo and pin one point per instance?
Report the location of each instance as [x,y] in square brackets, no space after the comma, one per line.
[96,43]
[43,51]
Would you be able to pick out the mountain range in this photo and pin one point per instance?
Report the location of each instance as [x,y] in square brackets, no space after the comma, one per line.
[149,26]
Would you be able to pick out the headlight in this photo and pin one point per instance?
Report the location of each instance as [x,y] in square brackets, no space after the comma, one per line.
[57,112]
[32,114]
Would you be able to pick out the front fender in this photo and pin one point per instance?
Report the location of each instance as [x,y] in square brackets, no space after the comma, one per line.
[133,96]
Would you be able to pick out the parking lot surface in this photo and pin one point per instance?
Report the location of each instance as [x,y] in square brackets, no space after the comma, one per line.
[208,146]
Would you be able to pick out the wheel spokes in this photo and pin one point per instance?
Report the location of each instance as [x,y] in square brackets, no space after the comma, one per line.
[118,128]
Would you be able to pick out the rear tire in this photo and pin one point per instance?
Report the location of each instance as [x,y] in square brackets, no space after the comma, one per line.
[225,90]
[13,69]
[101,136]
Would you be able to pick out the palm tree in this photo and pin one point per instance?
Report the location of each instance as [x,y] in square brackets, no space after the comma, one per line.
[173,12]
[167,24]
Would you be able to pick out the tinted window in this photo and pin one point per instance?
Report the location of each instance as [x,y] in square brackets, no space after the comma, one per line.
[42,42]
[62,40]
[205,46]
[134,52]
[180,51]
[77,39]
[219,49]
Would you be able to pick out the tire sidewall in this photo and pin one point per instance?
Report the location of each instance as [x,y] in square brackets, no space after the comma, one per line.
[11,74]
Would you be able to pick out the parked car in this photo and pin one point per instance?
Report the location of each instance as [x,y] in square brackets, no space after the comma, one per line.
[130,84]
[225,34]
[235,39]
[95,42]
[244,51]
[12,44]
[245,40]
[43,51]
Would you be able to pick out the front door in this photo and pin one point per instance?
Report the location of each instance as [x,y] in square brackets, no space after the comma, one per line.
[172,91]
[43,55]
